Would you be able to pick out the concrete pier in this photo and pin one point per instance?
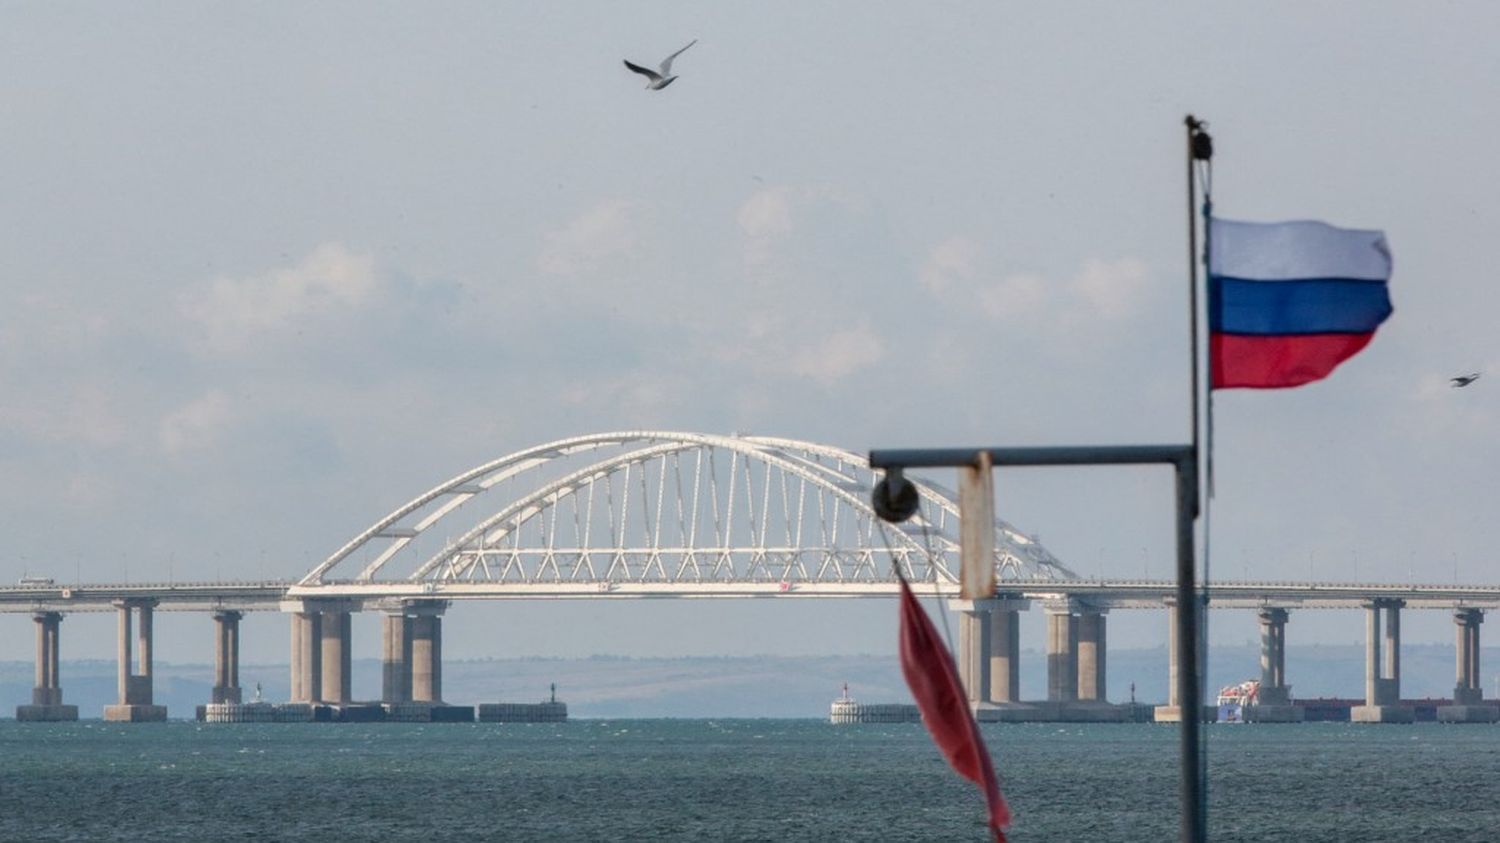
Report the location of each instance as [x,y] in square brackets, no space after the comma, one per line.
[843,710]
[135,684]
[411,688]
[1275,695]
[1062,655]
[1005,650]
[335,641]
[989,657]
[307,656]
[412,664]
[1172,711]
[974,648]
[46,696]
[1076,668]
[1092,686]
[256,712]
[395,659]
[1382,675]
[226,657]
[321,653]
[1468,695]
[557,712]
[427,657]
[1075,664]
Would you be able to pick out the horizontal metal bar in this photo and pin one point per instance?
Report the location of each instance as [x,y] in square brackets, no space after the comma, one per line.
[1047,455]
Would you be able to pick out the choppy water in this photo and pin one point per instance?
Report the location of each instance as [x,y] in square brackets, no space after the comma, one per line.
[730,780]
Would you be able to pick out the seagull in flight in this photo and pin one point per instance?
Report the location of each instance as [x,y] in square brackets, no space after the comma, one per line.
[1463,380]
[662,77]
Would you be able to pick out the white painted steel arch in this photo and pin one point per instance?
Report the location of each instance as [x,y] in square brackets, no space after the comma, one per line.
[666,508]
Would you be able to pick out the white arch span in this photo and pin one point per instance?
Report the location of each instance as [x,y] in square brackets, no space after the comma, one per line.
[648,509]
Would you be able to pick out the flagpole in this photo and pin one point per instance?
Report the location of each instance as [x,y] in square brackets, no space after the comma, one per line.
[1203,154]
[1193,126]
[1190,614]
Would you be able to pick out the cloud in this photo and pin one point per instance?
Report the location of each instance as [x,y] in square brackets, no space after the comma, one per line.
[196,425]
[233,313]
[814,261]
[767,213]
[640,396]
[90,415]
[88,489]
[785,222]
[607,231]
[953,261]
[1112,289]
[839,354]
[957,274]
[1014,297]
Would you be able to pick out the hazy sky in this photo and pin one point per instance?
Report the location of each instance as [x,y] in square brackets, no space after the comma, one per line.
[271,269]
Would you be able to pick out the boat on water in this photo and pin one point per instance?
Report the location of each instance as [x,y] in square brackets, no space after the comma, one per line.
[1234,698]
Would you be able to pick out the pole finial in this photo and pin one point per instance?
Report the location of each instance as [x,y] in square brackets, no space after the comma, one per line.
[1201,143]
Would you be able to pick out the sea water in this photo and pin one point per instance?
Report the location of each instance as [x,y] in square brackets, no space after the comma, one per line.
[732,780]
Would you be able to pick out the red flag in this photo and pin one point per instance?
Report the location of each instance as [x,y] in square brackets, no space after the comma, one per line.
[933,680]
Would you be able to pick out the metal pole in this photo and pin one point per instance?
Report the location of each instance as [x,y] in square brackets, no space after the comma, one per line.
[1184,459]
[1189,684]
[903,458]
[1192,614]
[1192,128]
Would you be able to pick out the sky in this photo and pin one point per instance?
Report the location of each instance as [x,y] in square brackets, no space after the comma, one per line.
[270,270]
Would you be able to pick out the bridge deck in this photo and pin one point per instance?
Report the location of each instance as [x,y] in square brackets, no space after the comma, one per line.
[1104,594]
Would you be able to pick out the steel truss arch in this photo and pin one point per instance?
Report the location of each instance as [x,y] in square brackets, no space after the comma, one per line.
[595,509]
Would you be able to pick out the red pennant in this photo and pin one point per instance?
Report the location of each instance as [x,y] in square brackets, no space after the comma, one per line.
[933,679]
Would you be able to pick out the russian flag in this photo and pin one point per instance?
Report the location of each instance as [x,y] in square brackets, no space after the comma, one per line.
[1289,301]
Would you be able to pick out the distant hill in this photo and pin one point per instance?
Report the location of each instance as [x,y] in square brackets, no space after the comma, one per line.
[755,686]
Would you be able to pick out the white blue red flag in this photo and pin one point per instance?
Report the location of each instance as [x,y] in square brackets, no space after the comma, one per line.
[1289,301]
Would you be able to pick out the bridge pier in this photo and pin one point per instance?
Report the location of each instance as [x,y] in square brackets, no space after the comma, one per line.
[1382,675]
[1468,696]
[427,657]
[46,696]
[321,655]
[412,664]
[307,652]
[1062,655]
[135,688]
[395,662]
[1274,699]
[1076,662]
[1172,711]
[1092,686]
[412,652]
[226,657]
[989,657]
[973,648]
[334,642]
[1005,650]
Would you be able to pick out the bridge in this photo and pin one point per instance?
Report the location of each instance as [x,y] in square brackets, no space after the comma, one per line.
[656,514]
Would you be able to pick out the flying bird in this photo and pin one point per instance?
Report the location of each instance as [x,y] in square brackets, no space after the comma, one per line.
[662,77]
[1463,380]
